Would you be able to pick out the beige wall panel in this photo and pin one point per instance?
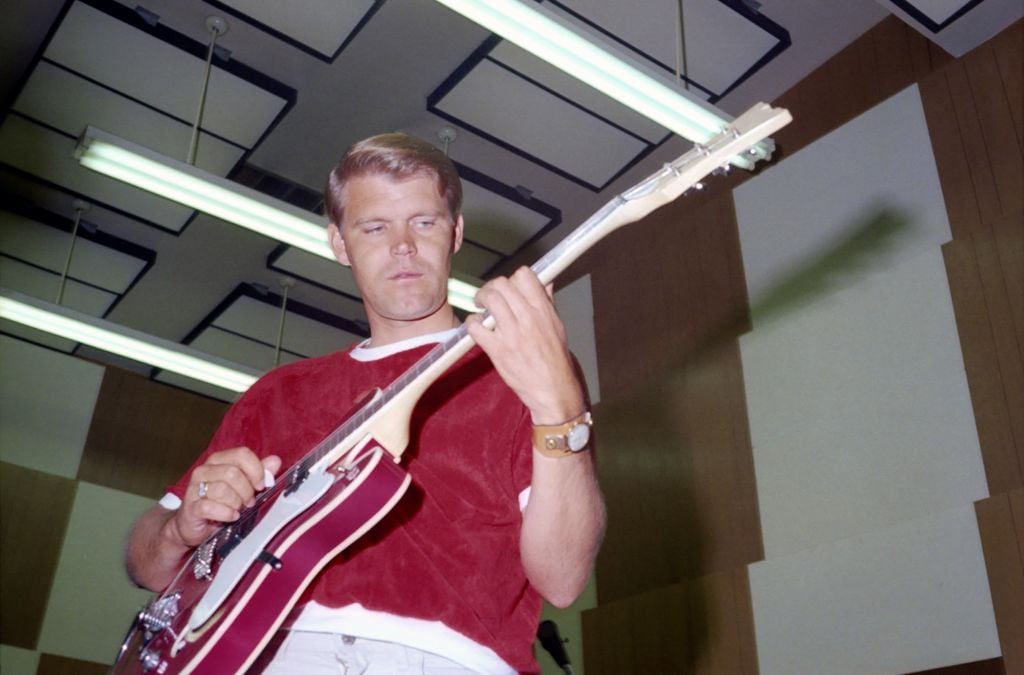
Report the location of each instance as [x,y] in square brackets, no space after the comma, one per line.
[896,600]
[35,508]
[50,664]
[46,405]
[875,166]
[93,602]
[985,667]
[16,661]
[575,303]
[859,411]
[145,434]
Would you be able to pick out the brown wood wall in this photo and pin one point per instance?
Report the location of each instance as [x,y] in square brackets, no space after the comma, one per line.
[677,467]
[975,112]
[144,435]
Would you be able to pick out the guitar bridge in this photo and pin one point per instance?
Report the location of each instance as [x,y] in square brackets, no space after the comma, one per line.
[202,565]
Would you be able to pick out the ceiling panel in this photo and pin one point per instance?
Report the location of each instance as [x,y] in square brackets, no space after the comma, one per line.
[328,274]
[49,155]
[709,24]
[102,46]
[958,26]
[41,283]
[500,217]
[255,316]
[46,247]
[474,260]
[935,13]
[542,73]
[322,28]
[50,85]
[516,112]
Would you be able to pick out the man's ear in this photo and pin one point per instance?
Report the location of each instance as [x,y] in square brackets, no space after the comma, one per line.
[337,243]
[457,232]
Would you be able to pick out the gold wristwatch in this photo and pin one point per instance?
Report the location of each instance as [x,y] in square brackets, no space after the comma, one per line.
[563,440]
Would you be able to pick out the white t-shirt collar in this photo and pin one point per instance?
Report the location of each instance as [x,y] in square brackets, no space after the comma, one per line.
[363,352]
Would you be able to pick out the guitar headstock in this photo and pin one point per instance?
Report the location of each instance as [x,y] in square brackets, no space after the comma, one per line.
[672,180]
[741,137]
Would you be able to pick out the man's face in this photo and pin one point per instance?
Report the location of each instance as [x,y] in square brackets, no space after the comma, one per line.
[399,238]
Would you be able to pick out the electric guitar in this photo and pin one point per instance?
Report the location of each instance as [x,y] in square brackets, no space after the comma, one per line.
[237,587]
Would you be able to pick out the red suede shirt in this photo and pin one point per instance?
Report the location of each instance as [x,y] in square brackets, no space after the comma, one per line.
[449,551]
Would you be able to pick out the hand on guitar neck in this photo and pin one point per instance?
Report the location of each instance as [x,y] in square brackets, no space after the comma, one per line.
[218,490]
[528,346]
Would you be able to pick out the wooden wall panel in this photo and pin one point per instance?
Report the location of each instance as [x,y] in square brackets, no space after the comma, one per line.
[678,467]
[974,114]
[144,434]
[974,117]
[703,625]
[36,507]
[1001,526]
[993,417]
[986,667]
[1009,53]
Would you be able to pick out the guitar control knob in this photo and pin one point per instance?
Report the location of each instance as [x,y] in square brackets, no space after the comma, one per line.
[149,659]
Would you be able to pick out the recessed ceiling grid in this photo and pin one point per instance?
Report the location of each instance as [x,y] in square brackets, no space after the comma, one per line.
[244,328]
[36,244]
[140,80]
[531,108]
[323,29]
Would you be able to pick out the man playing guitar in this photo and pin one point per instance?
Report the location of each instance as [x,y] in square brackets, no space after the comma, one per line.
[504,508]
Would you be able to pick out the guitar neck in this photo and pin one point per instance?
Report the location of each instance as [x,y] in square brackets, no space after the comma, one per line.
[397,399]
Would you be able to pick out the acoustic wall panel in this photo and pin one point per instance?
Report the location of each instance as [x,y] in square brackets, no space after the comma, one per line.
[877,165]
[903,599]
[91,574]
[859,411]
[16,661]
[47,400]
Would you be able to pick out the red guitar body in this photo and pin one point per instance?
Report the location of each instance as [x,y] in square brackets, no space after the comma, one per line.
[161,641]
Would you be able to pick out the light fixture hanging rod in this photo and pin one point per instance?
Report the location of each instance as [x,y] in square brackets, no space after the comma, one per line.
[80,208]
[286,283]
[216,26]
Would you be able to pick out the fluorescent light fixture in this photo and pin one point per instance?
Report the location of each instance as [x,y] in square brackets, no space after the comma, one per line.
[201,190]
[533,27]
[461,295]
[178,181]
[123,341]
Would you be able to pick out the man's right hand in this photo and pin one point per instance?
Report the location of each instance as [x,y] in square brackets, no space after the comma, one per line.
[218,490]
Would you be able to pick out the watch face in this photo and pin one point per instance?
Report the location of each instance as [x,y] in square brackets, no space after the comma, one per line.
[579,435]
